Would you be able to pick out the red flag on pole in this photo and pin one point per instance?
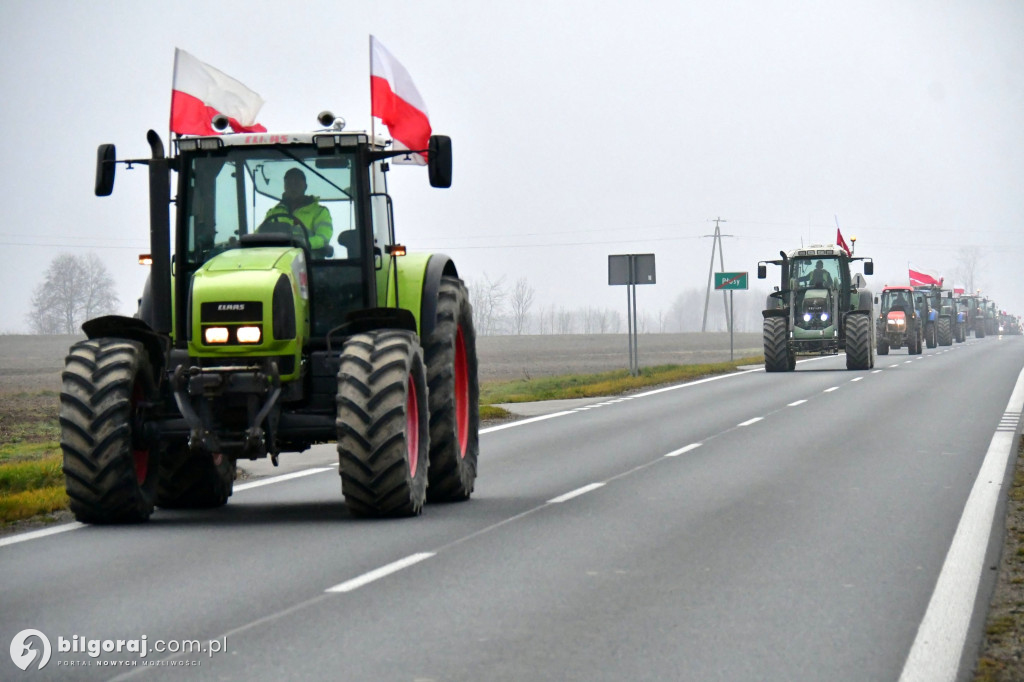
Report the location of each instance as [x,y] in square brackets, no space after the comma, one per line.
[397,103]
[200,92]
[920,278]
[842,242]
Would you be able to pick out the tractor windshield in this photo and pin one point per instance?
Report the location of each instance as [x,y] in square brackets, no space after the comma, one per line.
[897,299]
[815,273]
[240,190]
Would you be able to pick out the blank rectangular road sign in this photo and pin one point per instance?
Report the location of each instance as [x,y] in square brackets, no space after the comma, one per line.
[643,269]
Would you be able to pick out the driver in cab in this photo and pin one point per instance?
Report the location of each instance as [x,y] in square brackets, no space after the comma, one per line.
[303,211]
[819,277]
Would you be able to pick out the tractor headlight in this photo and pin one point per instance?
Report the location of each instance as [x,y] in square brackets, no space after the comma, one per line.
[214,335]
[807,317]
[824,317]
[248,334]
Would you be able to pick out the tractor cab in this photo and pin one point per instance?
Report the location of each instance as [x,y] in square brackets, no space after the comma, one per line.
[331,232]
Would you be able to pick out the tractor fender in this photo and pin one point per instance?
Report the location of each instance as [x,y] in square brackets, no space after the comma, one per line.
[419,283]
[437,267]
[775,312]
[157,346]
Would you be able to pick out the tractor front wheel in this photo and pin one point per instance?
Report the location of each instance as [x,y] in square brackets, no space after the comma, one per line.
[383,434]
[777,357]
[450,355]
[858,342]
[110,471]
[945,332]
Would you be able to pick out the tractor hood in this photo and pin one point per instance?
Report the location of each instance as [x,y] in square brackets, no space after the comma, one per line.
[265,258]
[251,302]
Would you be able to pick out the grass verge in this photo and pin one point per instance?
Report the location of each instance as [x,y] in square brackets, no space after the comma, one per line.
[606,383]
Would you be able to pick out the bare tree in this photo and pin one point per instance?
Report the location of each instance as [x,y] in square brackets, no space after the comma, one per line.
[74,289]
[487,298]
[968,261]
[522,300]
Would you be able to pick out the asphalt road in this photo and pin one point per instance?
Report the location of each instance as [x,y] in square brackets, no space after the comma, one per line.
[748,527]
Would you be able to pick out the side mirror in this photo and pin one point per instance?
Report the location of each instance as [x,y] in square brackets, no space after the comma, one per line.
[762,270]
[439,161]
[869,267]
[105,165]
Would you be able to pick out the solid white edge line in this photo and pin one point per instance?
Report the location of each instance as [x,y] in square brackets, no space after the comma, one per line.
[523,422]
[750,421]
[379,573]
[36,534]
[684,450]
[575,493]
[935,654]
[278,479]
[45,532]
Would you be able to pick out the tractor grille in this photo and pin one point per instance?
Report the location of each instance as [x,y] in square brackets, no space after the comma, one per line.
[232,311]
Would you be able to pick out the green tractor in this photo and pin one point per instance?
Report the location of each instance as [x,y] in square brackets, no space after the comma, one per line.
[254,338]
[821,308]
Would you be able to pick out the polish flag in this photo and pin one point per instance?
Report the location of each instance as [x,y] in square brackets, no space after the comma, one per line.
[397,103]
[842,242]
[922,278]
[200,92]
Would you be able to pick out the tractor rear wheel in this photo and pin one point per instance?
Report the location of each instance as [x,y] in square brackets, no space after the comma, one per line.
[931,335]
[945,332]
[191,480]
[858,342]
[110,472]
[777,357]
[883,345]
[450,355]
[383,434]
[979,331]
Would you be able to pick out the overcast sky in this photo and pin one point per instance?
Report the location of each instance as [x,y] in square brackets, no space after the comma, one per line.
[580,129]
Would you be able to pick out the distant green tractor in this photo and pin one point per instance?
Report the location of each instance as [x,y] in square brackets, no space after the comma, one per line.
[820,308]
[248,342]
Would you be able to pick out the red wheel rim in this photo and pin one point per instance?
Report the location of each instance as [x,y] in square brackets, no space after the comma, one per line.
[461,392]
[140,458]
[412,428]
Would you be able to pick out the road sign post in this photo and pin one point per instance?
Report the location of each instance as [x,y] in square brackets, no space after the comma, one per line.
[730,281]
[631,269]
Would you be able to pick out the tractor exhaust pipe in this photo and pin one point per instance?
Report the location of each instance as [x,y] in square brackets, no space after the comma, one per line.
[160,234]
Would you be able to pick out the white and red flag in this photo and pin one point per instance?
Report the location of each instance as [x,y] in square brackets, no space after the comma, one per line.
[920,278]
[200,92]
[395,100]
[842,242]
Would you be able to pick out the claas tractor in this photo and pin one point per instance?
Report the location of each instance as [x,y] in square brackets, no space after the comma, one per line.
[820,308]
[901,320]
[252,338]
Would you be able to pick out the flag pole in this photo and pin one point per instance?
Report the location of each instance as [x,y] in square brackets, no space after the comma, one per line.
[373,127]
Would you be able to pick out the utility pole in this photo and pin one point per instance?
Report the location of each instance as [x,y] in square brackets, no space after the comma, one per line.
[711,269]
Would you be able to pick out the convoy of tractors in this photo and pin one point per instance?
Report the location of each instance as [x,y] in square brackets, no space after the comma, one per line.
[821,307]
[256,334]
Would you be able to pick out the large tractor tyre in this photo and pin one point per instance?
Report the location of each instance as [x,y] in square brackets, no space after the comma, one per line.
[961,333]
[383,427]
[777,357]
[979,331]
[916,345]
[110,472]
[194,480]
[945,332]
[454,395]
[858,342]
[883,345]
[931,335]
